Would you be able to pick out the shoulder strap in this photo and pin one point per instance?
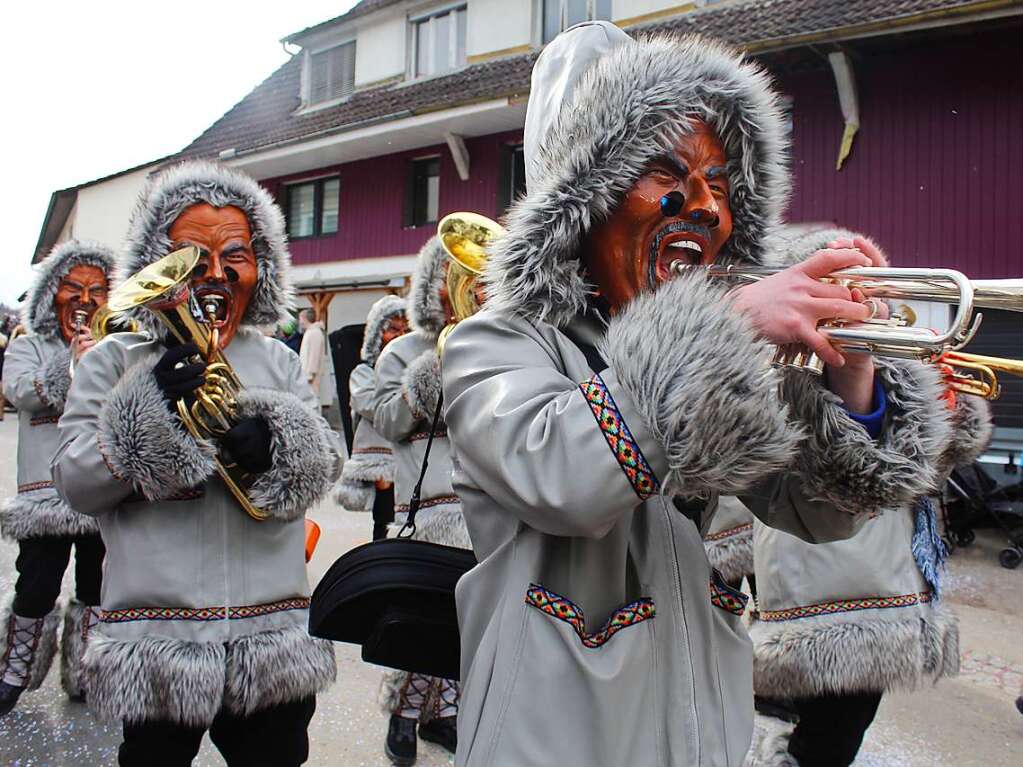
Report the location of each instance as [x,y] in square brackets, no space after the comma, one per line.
[414,501]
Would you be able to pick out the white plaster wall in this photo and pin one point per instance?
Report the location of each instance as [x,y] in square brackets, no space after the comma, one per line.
[103,210]
[380,49]
[496,25]
[627,9]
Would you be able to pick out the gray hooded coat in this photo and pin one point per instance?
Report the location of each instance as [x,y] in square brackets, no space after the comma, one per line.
[857,615]
[36,381]
[594,630]
[403,404]
[372,458]
[203,607]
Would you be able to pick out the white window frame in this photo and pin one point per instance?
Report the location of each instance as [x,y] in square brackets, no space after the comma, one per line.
[538,16]
[307,75]
[414,20]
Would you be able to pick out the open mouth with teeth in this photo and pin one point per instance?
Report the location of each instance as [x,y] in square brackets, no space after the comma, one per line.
[679,241]
[215,302]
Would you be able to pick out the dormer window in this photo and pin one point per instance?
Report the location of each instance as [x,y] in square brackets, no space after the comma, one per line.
[438,41]
[331,73]
[559,15]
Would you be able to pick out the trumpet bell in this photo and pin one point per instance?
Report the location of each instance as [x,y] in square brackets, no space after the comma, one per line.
[466,238]
[156,281]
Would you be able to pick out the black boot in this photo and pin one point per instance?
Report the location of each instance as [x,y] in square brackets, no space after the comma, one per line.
[9,695]
[441,731]
[401,741]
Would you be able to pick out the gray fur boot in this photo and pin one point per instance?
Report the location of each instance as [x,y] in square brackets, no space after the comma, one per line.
[78,621]
[770,746]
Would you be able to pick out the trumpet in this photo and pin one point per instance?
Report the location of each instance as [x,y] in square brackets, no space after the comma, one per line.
[465,237]
[892,337]
[162,288]
[79,316]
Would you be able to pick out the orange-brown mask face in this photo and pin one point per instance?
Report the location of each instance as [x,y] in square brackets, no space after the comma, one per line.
[227,268]
[634,248]
[395,327]
[83,289]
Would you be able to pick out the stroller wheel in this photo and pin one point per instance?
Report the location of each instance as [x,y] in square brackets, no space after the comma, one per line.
[1010,558]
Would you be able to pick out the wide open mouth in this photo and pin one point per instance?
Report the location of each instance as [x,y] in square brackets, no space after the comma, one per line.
[678,241]
[215,300]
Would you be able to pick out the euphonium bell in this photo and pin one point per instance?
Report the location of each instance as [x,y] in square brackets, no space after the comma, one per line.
[162,288]
[465,238]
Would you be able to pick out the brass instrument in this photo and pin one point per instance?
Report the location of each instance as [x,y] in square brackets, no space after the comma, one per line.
[79,316]
[973,374]
[106,321]
[465,238]
[162,288]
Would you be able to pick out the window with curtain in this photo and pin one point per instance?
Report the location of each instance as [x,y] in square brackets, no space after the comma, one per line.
[439,42]
[313,208]
[332,73]
[559,15]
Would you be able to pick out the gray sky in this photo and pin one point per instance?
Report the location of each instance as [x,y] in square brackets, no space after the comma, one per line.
[91,88]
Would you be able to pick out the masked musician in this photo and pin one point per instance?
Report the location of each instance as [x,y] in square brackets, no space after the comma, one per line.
[403,409]
[70,286]
[204,614]
[368,476]
[588,456]
[842,623]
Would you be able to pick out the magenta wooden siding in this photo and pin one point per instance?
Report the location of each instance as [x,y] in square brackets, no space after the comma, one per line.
[936,171]
[373,198]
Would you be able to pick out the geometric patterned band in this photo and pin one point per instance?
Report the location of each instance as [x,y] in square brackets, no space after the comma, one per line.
[729,532]
[727,599]
[566,610]
[29,487]
[625,449]
[845,606]
[131,614]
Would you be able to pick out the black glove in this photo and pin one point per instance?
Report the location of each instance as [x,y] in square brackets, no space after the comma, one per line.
[248,444]
[179,382]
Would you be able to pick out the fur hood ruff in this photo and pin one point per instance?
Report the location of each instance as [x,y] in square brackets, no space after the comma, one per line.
[379,315]
[173,190]
[615,110]
[38,315]
[425,311]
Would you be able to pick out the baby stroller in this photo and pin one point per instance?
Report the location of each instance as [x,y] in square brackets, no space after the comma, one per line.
[973,500]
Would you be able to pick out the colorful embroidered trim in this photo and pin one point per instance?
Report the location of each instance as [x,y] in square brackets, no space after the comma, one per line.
[845,606]
[726,598]
[38,386]
[29,487]
[566,610]
[200,613]
[729,532]
[618,436]
[421,435]
[41,420]
[372,450]
[402,508]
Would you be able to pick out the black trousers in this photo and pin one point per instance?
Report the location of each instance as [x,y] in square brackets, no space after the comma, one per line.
[274,737]
[383,512]
[41,564]
[831,728]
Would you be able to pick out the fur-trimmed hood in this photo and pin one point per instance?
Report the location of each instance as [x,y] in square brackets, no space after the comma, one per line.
[379,315]
[173,190]
[601,107]
[792,244]
[38,315]
[425,311]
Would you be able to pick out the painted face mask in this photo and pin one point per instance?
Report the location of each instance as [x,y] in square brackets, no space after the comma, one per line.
[226,273]
[82,291]
[677,210]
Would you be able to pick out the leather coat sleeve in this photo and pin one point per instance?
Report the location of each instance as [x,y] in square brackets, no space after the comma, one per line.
[527,436]
[361,386]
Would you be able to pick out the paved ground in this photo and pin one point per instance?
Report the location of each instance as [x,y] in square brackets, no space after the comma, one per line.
[968,722]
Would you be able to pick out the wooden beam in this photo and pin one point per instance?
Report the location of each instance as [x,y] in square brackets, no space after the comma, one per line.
[459,153]
[320,302]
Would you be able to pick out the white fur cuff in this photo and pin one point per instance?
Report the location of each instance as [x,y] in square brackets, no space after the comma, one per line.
[698,375]
[304,459]
[145,443]
[54,379]
[421,384]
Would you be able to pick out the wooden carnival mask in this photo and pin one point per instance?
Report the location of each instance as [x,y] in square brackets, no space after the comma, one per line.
[227,267]
[677,210]
[80,293]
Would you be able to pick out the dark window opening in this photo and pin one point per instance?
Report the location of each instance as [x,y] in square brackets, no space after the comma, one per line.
[422,196]
[512,176]
[313,208]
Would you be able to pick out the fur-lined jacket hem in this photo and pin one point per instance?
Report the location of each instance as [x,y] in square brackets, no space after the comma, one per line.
[815,656]
[172,680]
[304,461]
[731,553]
[39,513]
